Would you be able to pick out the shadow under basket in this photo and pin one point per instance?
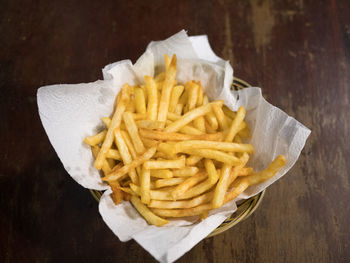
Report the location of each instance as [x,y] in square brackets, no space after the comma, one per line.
[244,209]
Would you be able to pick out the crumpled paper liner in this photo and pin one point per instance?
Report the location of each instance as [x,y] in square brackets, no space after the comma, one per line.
[69,113]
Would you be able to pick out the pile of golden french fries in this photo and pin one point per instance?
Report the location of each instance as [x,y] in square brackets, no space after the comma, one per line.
[173,153]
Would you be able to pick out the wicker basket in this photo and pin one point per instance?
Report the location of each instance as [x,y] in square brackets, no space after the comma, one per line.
[244,208]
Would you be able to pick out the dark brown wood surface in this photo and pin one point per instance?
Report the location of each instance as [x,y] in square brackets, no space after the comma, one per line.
[297,51]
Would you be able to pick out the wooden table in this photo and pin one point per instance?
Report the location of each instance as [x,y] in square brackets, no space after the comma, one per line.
[297,51]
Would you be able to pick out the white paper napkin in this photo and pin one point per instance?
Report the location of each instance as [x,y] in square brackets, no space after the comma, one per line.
[69,113]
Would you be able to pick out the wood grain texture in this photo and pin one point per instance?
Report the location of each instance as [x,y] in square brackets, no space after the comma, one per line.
[297,51]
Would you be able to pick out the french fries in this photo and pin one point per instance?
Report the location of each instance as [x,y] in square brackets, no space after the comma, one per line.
[140,100]
[168,83]
[118,173]
[96,139]
[146,213]
[116,120]
[171,152]
[166,164]
[174,136]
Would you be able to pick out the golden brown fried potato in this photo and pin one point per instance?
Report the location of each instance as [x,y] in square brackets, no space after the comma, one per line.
[118,173]
[117,117]
[166,164]
[146,213]
[173,153]
[187,184]
[190,116]
[185,172]
[167,87]
[96,139]
[174,136]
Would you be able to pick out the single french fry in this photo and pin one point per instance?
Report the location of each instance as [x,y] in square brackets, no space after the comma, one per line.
[220,116]
[269,172]
[193,159]
[105,167]
[146,213]
[234,128]
[170,74]
[190,116]
[192,91]
[163,173]
[204,198]
[129,144]
[240,186]
[96,139]
[215,145]
[133,131]
[118,173]
[198,189]
[168,182]
[215,155]
[243,183]
[114,154]
[187,129]
[145,181]
[166,164]
[140,101]
[185,172]
[187,184]
[150,124]
[200,95]
[174,98]
[210,116]
[117,117]
[124,153]
[182,212]
[213,175]
[221,187]
[167,61]
[173,136]
[152,93]
[117,194]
